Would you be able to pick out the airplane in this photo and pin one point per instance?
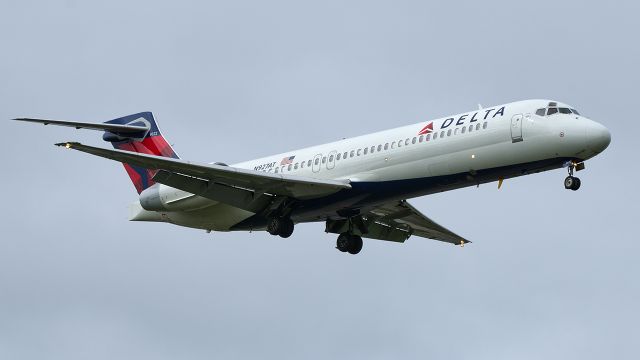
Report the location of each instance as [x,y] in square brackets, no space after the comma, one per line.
[357,186]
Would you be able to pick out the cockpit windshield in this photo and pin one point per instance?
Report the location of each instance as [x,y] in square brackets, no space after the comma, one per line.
[553,108]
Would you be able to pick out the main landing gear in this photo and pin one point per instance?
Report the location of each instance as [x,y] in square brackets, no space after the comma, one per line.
[349,243]
[571,182]
[282,226]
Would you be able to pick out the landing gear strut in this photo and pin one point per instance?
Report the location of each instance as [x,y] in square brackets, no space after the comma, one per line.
[282,226]
[571,182]
[349,243]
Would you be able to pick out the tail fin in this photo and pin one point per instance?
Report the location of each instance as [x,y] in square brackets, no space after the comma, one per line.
[148,141]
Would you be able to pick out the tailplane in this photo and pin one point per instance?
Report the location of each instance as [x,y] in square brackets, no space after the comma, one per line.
[136,133]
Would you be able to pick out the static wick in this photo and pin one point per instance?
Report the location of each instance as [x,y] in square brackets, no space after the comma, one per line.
[500,180]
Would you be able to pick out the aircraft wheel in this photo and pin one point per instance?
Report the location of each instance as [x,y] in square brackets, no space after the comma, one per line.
[569,182]
[576,184]
[349,243]
[342,243]
[355,244]
[286,228]
[274,226]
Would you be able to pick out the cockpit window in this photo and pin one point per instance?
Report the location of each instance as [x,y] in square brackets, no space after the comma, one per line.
[553,108]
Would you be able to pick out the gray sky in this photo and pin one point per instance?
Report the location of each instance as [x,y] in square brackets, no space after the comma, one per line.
[551,273]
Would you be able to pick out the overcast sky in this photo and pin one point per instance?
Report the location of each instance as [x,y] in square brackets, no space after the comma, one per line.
[552,274]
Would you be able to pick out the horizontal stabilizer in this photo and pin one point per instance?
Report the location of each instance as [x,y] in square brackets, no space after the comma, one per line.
[117,128]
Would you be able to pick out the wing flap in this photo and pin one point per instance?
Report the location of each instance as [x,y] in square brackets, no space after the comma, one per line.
[402,216]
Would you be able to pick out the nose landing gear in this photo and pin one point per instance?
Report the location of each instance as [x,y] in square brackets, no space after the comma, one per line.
[571,182]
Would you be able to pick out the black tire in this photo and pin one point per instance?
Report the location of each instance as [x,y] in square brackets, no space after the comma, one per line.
[274,226]
[286,228]
[569,182]
[355,244]
[343,242]
[576,184]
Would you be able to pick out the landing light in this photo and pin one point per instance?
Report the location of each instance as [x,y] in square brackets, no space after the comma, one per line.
[473,156]
[67,145]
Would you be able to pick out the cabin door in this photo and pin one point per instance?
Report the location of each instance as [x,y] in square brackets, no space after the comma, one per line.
[516,128]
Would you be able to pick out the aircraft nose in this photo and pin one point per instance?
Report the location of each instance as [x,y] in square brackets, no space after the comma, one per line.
[598,137]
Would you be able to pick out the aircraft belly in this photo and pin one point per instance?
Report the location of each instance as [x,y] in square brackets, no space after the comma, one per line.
[218,217]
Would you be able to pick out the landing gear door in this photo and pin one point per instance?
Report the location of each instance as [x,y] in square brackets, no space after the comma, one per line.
[316,163]
[516,128]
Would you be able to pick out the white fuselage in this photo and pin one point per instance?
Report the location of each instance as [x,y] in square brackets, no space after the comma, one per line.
[497,137]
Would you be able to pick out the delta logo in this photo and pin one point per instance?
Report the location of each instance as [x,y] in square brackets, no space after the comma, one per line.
[427,129]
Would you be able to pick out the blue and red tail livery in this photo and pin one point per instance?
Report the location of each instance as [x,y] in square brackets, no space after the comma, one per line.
[149,142]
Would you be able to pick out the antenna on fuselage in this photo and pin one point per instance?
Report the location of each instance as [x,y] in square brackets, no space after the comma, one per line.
[479,106]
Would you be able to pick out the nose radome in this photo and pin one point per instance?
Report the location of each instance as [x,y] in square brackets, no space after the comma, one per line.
[598,137]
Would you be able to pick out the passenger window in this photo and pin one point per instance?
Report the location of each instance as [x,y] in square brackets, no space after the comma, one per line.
[413,141]
[478,126]
[565,111]
[324,159]
[455,132]
[470,128]
[277,170]
[428,137]
[331,158]
[338,157]
[386,146]
[379,148]
[352,153]
[464,128]
[317,161]
[344,156]
[309,163]
[289,167]
[400,143]
[449,132]
[552,111]
[406,142]
[421,138]
[295,166]
[366,151]
[302,164]
[540,112]
[441,134]
[393,144]
[484,126]
[435,136]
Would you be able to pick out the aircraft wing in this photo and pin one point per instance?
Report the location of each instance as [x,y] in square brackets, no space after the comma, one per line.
[189,173]
[397,220]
